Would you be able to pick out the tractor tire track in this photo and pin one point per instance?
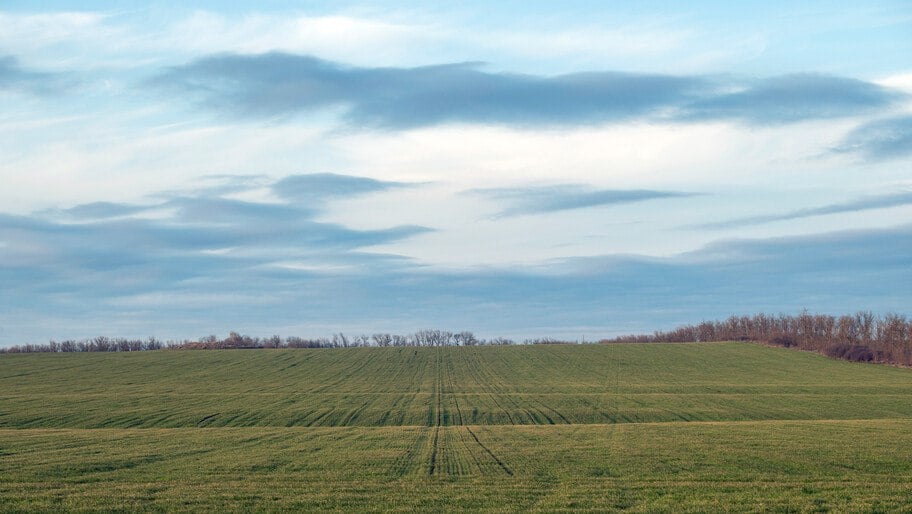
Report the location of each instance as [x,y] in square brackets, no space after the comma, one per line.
[484,377]
[409,460]
[506,469]
[469,451]
[203,421]
[432,467]
[452,386]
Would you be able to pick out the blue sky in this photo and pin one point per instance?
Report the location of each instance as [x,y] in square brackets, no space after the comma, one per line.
[520,169]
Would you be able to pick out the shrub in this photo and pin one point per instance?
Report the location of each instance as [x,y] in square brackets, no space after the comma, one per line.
[850,352]
[784,341]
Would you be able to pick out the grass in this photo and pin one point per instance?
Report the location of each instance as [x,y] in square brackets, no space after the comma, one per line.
[785,465]
[476,386]
[685,427]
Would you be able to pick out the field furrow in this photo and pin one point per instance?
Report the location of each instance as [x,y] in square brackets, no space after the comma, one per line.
[776,465]
[460,386]
[640,428]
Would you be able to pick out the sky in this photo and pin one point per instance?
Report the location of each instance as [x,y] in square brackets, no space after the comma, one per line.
[571,169]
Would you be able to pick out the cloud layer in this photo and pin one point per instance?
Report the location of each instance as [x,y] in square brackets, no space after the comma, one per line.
[218,264]
[280,85]
[883,139]
[149,160]
[861,204]
[319,187]
[562,197]
[164,244]
[14,77]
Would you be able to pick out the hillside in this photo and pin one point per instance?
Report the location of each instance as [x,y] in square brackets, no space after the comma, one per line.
[648,427]
[467,386]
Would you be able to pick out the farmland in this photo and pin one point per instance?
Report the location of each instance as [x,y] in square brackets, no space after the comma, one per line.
[641,427]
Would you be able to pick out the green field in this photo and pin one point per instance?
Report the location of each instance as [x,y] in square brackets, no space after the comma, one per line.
[679,427]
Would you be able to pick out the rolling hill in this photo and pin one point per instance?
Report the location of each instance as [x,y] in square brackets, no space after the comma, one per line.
[644,427]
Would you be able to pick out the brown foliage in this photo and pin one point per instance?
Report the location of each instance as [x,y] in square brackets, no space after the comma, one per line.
[862,337]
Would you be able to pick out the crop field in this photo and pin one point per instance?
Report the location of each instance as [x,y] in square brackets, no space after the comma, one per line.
[653,427]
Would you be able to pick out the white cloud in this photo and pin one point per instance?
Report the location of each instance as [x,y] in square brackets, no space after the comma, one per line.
[616,156]
[902,81]
[129,40]
[351,39]
[742,171]
[125,163]
[45,29]
[58,40]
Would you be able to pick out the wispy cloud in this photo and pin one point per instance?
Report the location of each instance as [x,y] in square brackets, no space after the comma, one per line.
[27,31]
[280,85]
[154,279]
[562,197]
[189,235]
[602,124]
[302,196]
[883,139]
[318,187]
[792,98]
[14,77]
[101,210]
[861,204]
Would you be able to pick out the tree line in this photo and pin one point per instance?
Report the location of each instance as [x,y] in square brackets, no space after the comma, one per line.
[863,337]
[234,340]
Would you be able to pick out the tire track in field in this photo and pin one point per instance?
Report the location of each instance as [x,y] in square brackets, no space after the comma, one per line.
[535,402]
[486,383]
[506,469]
[449,368]
[452,385]
[501,389]
[343,374]
[432,468]
[210,417]
[466,444]
[557,412]
[352,416]
[408,462]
